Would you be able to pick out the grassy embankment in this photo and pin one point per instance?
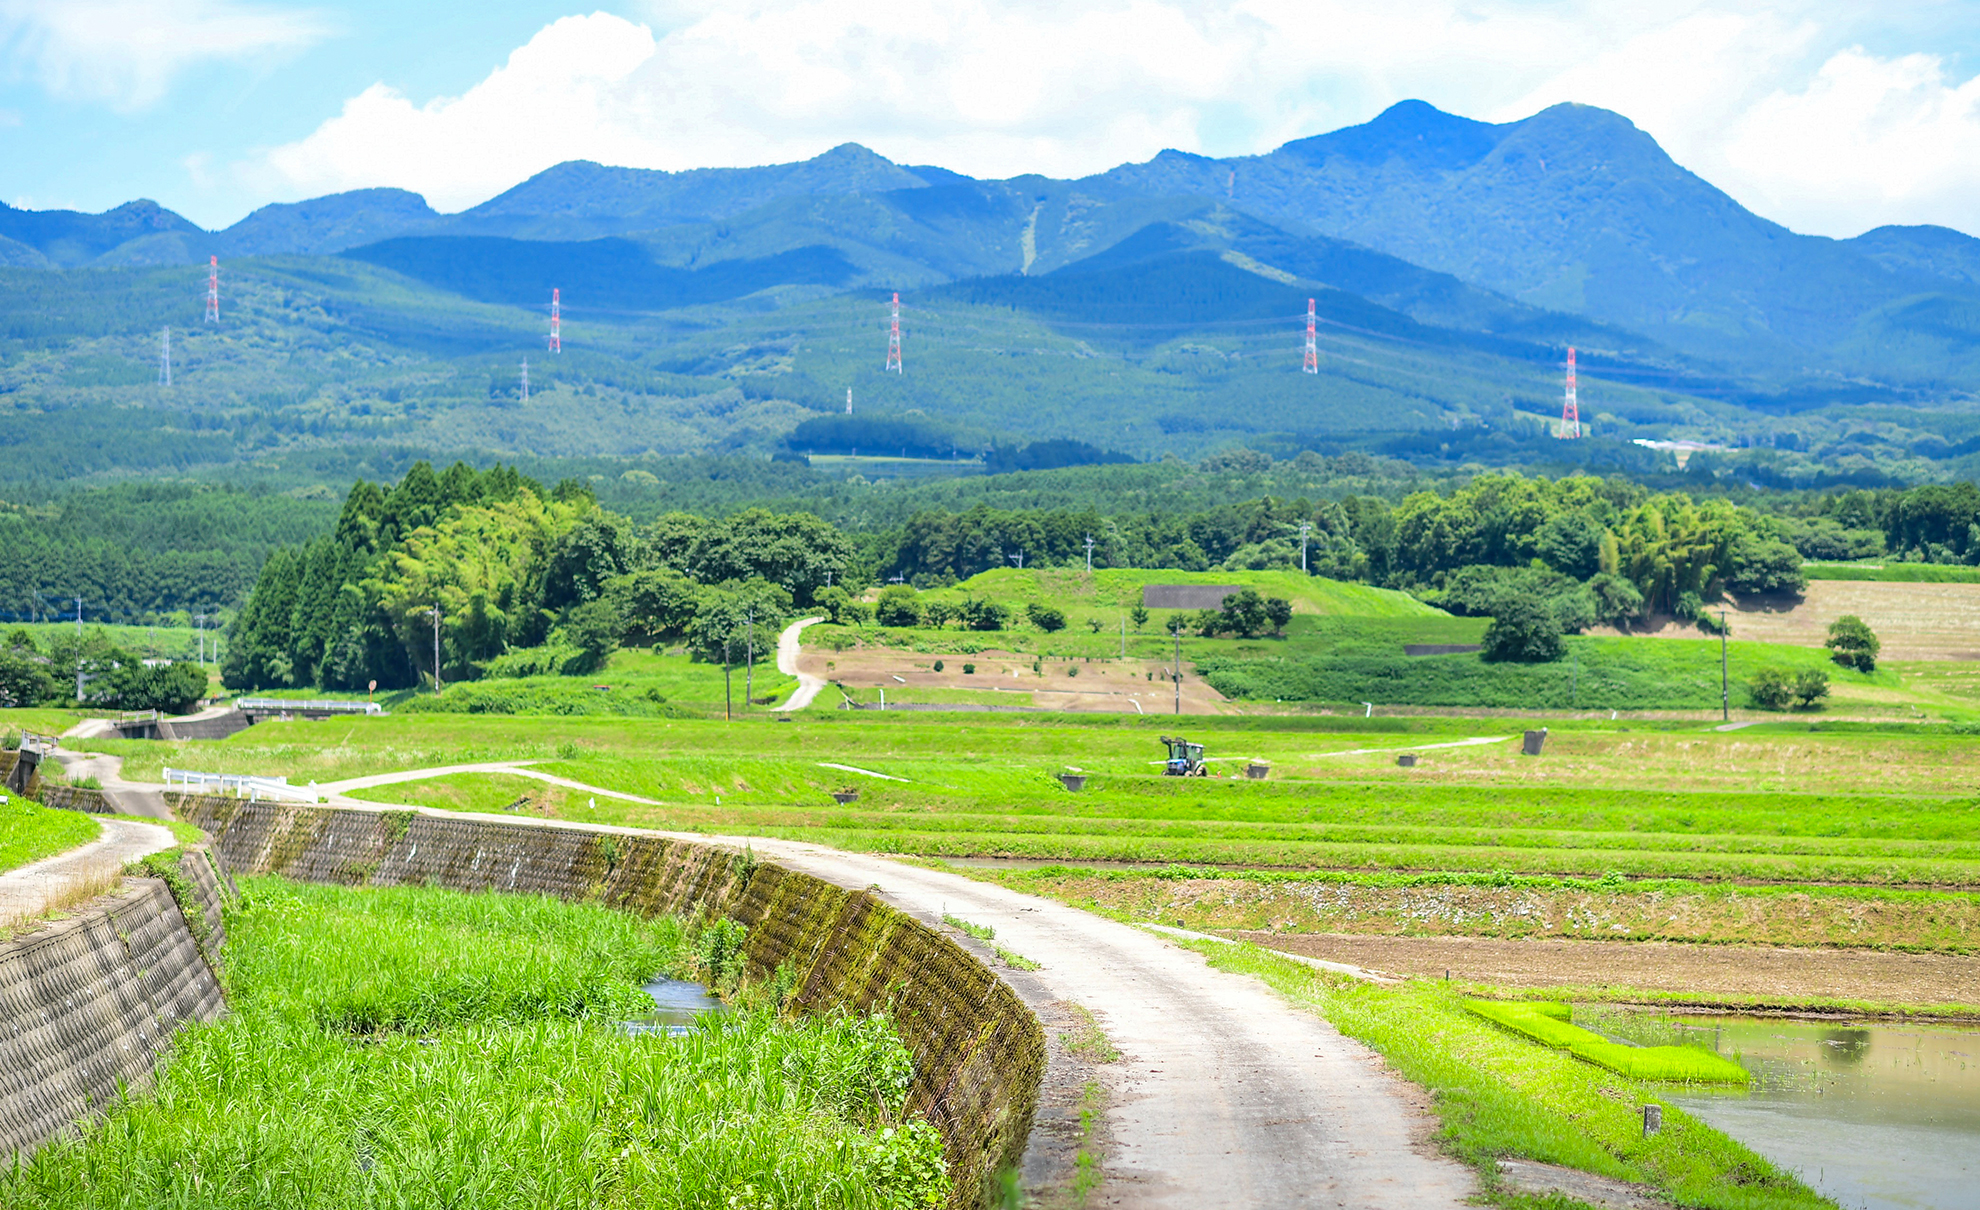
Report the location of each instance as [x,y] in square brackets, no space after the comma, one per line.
[1344,646]
[1865,837]
[636,682]
[1894,573]
[30,832]
[423,1047]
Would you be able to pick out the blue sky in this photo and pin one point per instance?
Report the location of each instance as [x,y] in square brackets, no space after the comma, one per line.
[1830,117]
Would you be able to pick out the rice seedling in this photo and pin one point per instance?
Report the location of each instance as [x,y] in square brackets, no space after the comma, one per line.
[1550,1025]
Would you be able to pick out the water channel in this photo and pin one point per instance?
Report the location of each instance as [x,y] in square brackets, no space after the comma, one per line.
[677,1004]
[1878,1115]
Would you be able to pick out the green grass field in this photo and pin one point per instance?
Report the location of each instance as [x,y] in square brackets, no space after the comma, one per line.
[416,1046]
[1874,833]
[30,832]
[1895,573]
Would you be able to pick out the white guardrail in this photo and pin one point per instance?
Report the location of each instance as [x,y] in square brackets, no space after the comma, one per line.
[268,705]
[253,788]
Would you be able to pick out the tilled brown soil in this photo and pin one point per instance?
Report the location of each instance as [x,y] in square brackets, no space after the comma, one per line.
[1788,976]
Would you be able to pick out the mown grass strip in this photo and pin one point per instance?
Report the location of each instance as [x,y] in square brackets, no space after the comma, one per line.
[30,832]
[1550,1024]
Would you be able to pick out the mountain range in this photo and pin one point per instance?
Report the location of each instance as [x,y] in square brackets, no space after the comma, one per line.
[1450,262]
[1572,211]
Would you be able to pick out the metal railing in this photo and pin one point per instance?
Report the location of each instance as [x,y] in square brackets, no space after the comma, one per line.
[269,705]
[240,785]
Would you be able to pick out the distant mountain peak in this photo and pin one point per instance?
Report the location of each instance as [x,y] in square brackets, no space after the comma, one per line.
[1413,131]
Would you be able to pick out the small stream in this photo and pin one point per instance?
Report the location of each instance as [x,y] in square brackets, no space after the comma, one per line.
[677,1004]
[1878,1115]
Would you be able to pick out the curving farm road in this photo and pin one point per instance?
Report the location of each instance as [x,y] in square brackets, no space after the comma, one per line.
[787,663]
[1226,1095]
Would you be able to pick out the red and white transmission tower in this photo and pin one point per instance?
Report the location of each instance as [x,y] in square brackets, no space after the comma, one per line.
[213,289]
[1312,365]
[556,321]
[1570,410]
[894,338]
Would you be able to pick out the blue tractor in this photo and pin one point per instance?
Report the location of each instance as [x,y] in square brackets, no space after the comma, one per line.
[1185,759]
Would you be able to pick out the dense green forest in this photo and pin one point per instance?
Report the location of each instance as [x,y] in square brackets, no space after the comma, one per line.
[527,580]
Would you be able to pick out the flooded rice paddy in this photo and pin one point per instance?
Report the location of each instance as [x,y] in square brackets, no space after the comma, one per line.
[1879,1115]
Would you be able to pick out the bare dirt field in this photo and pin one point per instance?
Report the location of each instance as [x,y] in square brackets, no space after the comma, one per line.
[1915,621]
[1786,975]
[1005,678]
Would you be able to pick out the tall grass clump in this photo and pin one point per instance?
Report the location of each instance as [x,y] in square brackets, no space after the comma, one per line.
[420,1047]
[1549,1025]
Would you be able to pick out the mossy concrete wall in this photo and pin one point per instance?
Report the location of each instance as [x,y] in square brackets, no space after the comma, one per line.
[979,1052]
[89,1004]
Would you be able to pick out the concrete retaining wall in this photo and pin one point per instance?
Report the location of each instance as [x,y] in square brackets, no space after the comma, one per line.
[90,1004]
[76,798]
[979,1053]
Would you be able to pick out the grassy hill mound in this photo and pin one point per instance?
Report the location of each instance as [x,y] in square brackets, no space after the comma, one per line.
[1108,592]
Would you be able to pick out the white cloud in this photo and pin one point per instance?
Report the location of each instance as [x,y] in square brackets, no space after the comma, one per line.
[1739,91]
[127,52]
[1867,141]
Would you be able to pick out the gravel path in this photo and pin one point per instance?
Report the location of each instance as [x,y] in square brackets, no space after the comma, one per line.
[787,663]
[52,881]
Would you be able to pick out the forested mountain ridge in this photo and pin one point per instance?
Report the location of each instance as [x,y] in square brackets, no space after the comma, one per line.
[1157,308]
[1573,210]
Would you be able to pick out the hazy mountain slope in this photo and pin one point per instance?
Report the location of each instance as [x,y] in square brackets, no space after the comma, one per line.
[329,224]
[1939,251]
[580,199]
[1573,209]
[69,238]
[614,274]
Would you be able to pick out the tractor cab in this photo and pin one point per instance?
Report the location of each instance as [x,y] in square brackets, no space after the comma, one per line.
[1185,758]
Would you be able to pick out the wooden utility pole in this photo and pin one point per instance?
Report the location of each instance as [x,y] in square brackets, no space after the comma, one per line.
[1725,692]
[435,611]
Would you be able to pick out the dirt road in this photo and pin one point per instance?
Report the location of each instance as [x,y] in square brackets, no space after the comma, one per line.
[787,663]
[54,881]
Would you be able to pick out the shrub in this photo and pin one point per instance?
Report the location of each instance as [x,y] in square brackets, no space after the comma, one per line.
[1852,644]
[938,665]
[1617,602]
[899,605]
[1771,689]
[984,615]
[1811,685]
[939,613]
[1139,616]
[969,670]
[1045,617]
[1094,624]
[593,630]
[1525,631]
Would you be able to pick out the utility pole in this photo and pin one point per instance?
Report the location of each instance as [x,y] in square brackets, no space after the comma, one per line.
[201,619]
[728,696]
[1018,559]
[1303,527]
[1725,693]
[435,612]
[1123,636]
[1089,554]
[79,657]
[1175,628]
[749,667]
